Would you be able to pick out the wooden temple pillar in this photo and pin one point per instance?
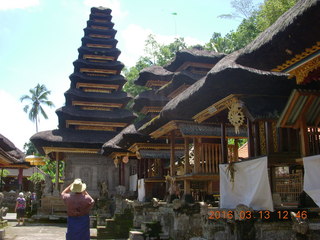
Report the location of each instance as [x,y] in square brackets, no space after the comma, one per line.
[224,149]
[250,138]
[304,138]
[269,137]
[20,179]
[172,154]
[57,172]
[196,144]
[186,166]
[256,137]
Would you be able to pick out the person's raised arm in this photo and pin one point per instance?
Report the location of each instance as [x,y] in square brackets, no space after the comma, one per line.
[66,190]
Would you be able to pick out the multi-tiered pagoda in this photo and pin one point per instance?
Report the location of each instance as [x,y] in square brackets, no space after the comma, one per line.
[94,110]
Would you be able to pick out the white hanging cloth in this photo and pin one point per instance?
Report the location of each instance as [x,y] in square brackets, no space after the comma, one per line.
[250,187]
[311,183]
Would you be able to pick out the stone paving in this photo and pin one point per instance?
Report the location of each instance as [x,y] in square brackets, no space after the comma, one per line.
[34,231]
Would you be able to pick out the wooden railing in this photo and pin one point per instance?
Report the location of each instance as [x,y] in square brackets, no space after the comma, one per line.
[207,158]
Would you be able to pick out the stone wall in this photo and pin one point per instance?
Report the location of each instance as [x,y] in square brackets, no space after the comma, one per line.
[93,169]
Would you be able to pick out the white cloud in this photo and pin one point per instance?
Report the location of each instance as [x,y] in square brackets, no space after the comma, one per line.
[14,122]
[13,4]
[133,47]
[117,12]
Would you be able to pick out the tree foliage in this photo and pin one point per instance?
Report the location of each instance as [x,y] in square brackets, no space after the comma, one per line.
[37,98]
[156,54]
[49,167]
[251,26]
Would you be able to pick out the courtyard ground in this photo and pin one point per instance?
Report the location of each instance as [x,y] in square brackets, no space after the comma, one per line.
[35,231]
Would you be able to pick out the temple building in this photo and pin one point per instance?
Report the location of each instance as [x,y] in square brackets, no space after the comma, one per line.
[94,111]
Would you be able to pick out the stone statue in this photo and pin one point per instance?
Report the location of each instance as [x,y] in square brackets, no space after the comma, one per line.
[103,190]
[3,210]
[48,187]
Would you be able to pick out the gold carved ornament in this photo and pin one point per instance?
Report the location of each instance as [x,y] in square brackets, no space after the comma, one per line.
[235,115]
[116,162]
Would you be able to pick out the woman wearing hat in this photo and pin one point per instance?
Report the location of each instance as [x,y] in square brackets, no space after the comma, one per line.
[78,203]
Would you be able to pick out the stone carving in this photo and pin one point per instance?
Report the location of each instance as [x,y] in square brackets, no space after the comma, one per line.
[103,190]
[48,186]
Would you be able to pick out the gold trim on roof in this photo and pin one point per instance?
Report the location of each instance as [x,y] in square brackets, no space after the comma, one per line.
[92,56]
[215,108]
[170,126]
[97,104]
[179,90]
[185,65]
[302,71]
[96,70]
[48,150]
[297,58]
[99,36]
[92,45]
[99,27]
[153,146]
[96,128]
[95,85]
[146,110]
[155,83]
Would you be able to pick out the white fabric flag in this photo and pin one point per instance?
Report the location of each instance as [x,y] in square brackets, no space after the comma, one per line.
[133,180]
[311,183]
[250,187]
[141,190]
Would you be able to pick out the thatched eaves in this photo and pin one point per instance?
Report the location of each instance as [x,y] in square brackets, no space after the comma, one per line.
[291,34]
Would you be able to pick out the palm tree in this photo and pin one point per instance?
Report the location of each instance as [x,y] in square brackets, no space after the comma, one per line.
[39,96]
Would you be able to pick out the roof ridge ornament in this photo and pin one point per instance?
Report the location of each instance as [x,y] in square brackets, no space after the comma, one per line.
[235,115]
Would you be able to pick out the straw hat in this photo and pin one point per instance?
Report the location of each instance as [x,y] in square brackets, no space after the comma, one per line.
[78,186]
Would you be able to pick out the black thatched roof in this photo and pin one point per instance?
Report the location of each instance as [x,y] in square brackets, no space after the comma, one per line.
[113,144]
[70,138]
[112,65]
[10,151]
[115,52]
[194,55]
[179,79]
[117,115]
[224,79]
[102,24]
[115,97]
[110,32]
[153,73]
[106,41]
[291,34]
[80,77]
[148,98]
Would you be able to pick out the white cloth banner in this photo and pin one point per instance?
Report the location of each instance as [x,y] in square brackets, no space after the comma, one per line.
[311,183]
[133,180]
[250,187]
[141,190]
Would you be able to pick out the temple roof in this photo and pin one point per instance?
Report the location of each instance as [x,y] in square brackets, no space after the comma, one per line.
[81,63]
[80,77]
[106,41]
[148,98]
[108,51]
[9,151]
[193,55]
[294,31]
[116,97]
[70,138]
[224,79]
[184,77]
[117,115]
[157,73]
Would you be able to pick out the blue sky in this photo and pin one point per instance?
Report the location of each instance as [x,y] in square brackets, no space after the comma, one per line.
[39,41]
